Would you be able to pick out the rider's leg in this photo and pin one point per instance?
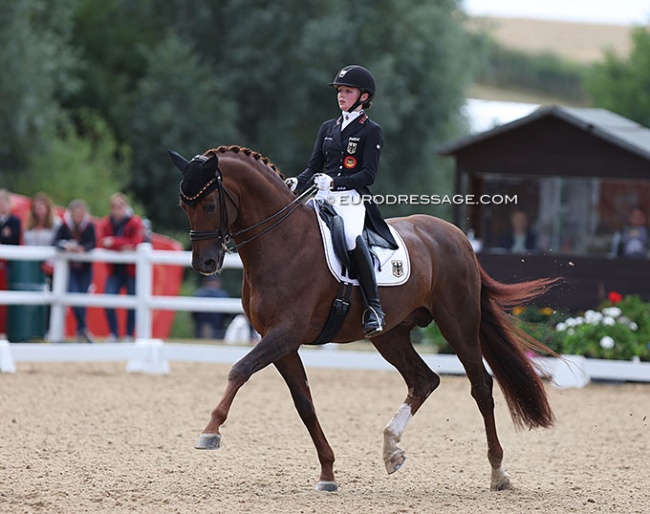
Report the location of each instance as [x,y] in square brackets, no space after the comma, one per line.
[373,316]
[349,206]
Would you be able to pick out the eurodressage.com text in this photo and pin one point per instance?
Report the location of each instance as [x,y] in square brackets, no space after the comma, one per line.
[426,199]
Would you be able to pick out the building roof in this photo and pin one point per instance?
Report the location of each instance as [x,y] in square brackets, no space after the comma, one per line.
[601,123]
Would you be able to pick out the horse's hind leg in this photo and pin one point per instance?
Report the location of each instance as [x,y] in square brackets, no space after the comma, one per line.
[293,372]
[395,346]
[460,329]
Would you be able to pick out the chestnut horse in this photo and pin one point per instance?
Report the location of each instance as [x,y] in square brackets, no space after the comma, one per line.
[236,197]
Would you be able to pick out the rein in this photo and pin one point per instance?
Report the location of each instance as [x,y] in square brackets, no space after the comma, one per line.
[227,239]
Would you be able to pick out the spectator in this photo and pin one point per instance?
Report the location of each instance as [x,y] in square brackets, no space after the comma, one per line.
[9,232]
[9,224]
[121,230]
[41,224]
[632,241]
[77,235]
[520,239]
[210,325]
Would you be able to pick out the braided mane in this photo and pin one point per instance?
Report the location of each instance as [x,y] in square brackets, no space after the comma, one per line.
[247,151]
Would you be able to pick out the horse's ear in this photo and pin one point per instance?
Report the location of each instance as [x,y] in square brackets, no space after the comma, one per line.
[179,161]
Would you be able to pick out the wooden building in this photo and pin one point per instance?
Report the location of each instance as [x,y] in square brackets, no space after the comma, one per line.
[575,174]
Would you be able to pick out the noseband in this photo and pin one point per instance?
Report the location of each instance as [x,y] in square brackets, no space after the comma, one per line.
[223,234]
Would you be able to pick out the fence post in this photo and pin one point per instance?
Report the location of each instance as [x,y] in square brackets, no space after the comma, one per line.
[6,359]
[143,290]
[56,331]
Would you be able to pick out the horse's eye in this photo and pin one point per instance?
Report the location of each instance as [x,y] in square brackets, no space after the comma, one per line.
[210,207]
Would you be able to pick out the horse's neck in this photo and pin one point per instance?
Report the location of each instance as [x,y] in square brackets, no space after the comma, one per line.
[278,246]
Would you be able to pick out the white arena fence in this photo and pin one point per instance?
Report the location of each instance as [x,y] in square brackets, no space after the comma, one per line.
[150,355]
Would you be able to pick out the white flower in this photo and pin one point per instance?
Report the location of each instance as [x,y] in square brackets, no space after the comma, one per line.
[633,326]
[613,312]
[607,343]
[571,322]
[593,317]
[570,331]
[609,321]
[561,327]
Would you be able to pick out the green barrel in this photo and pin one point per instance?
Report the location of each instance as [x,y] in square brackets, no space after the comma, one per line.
[26,322]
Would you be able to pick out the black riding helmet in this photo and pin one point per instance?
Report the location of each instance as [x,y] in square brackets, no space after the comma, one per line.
[359,77]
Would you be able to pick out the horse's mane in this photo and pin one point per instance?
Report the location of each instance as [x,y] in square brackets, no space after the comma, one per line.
[247,151]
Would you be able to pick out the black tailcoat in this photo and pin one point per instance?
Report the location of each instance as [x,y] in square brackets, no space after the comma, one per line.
[351,158]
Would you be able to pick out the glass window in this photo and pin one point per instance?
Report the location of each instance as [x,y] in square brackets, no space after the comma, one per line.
[558,215]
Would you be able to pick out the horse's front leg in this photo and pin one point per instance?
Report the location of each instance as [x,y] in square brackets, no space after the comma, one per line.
[293,372]
[270,348]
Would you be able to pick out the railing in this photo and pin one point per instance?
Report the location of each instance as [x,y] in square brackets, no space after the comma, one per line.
[152,355]
[144,302]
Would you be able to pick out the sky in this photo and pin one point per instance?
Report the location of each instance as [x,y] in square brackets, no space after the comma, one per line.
[617,12]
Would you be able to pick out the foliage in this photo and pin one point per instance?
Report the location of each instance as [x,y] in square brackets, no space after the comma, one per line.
[179,105]
[101,165]
[622,84]
[38,63]
[260,71]
[619,329]
[544,73]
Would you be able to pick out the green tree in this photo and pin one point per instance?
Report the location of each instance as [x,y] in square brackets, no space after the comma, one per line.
[38,63]
[622,84]
[83,161]
[180,105]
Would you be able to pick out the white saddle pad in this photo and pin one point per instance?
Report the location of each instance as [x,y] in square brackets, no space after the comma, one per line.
[392,267]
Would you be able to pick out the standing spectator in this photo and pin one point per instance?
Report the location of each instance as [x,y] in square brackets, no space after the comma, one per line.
[77,235]
[121,230]
[9,235]
[41,224]
[210,325]
[9,224]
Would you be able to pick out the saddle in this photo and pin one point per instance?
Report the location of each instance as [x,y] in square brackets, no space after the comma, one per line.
[392,266]
[338,261]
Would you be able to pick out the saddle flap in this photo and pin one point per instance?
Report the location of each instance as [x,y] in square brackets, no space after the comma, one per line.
[392,266]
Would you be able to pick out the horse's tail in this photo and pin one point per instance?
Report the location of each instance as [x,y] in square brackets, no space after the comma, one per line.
[504,347]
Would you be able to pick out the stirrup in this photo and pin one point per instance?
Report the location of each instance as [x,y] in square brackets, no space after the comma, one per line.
[371,318]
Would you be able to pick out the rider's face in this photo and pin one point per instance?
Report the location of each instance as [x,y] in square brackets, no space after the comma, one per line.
[347,95]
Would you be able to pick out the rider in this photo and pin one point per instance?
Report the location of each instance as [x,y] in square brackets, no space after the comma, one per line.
[345,160]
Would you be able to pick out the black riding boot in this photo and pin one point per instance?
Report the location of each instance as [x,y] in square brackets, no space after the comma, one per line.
[373,316]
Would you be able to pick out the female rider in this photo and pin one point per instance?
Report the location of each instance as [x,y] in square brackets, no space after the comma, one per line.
[344,161]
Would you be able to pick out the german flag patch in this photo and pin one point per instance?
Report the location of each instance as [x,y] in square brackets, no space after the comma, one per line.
[350,162]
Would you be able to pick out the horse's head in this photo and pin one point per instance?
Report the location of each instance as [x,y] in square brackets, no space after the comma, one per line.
[203,200]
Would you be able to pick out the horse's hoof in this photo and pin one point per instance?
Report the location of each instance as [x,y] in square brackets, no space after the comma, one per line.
[395,461]
[208,442]
[500,481]
[329,487]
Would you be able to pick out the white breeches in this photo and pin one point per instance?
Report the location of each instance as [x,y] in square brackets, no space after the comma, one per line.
[349,206]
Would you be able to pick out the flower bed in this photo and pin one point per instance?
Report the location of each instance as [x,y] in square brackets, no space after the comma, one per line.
[618,330]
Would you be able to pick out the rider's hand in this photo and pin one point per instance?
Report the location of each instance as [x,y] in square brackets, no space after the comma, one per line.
[291,183]
[323,181]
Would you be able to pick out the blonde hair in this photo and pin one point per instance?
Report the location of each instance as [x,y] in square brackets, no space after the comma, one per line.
[32,220]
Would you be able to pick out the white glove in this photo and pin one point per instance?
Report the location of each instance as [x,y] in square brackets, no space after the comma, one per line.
[291,183]
[323,181]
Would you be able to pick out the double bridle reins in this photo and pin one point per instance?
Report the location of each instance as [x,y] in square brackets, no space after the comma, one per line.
[223,233]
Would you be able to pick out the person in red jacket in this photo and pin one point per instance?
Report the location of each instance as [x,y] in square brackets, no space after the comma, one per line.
[120,231]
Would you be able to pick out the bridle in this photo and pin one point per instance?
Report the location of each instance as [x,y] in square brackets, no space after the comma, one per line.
[223,234]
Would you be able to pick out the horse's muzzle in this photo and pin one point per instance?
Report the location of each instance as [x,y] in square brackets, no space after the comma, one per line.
[207,265]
